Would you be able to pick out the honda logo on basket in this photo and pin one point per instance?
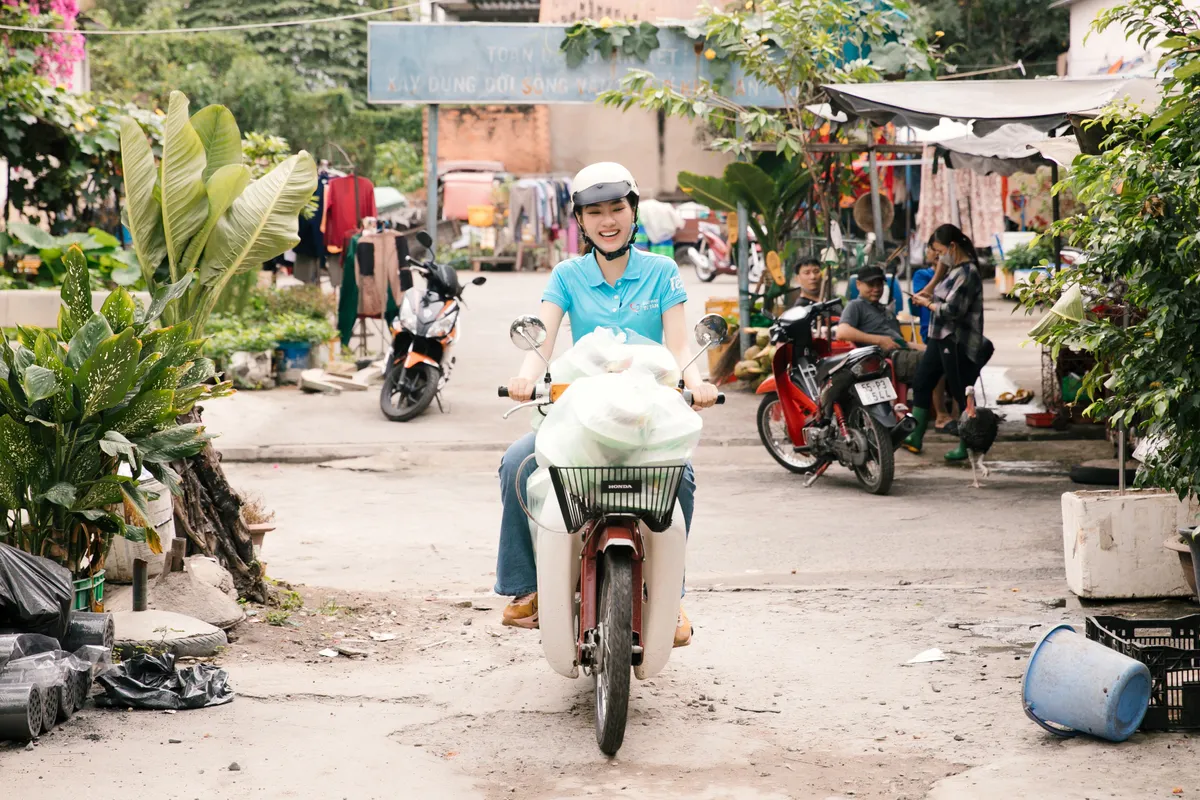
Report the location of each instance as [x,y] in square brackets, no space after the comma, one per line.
[621,487]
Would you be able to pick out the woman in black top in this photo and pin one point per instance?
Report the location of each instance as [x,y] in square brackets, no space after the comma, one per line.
[957,347]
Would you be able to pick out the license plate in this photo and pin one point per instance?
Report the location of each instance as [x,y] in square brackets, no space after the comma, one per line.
[879,390]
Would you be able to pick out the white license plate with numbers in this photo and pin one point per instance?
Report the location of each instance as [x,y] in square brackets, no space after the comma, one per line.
[879,390]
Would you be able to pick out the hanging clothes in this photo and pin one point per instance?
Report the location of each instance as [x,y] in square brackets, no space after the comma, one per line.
[377,261]
[310,252]
[979,206]
[544,204]
[339,212]
[348,301]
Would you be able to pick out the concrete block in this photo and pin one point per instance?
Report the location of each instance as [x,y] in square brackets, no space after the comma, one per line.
[1112,544]
[313,380]
[348,384]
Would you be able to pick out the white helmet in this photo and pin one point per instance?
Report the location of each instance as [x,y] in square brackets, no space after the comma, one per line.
[601,183]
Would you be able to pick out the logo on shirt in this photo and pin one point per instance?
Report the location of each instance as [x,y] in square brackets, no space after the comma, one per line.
[677,283]
[644,306]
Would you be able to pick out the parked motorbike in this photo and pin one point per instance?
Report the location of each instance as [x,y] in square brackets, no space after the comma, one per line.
[712,255]
[609,585]
[420,359]
[866,424]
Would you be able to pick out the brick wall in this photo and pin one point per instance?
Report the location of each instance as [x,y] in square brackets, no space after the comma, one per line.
[517,136]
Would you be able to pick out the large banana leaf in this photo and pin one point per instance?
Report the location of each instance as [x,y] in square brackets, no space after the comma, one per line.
[712,192]
[753,186]
[143,212]
[262,223]
[218,131]
[222,188]
[184,201]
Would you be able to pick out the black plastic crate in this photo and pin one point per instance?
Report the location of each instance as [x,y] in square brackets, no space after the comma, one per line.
[586,493]
[1170,648]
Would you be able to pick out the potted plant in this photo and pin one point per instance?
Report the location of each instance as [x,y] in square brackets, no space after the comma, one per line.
[296,335]
[1137,227]
[104,389]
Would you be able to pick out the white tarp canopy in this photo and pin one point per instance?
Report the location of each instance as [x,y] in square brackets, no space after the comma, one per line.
[1042,104]
[1011,149]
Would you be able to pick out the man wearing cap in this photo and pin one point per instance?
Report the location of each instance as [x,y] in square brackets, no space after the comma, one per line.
[866,321]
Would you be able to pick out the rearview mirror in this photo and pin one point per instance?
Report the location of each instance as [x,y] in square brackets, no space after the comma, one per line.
[480,281]
[406,280]
[712,329]
[425,240]
[527,332]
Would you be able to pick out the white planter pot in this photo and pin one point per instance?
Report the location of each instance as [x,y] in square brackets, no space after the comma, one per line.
[1112,544]
[118,564]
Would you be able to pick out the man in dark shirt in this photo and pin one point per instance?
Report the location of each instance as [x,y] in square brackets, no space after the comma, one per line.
[867,321]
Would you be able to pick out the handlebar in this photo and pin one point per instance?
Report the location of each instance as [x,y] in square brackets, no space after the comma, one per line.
[539,390]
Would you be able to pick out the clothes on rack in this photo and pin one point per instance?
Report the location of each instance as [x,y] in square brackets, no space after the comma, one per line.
[543,203]
[976,204]
[348,301]
[377,261]
[310,252]
[339,218]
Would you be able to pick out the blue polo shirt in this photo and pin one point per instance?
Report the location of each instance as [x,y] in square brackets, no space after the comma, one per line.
[650,285]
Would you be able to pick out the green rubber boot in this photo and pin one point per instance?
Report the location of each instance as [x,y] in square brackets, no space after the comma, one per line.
[915,439]
[957,454]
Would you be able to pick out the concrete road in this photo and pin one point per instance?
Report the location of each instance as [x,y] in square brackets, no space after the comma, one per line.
[807,604]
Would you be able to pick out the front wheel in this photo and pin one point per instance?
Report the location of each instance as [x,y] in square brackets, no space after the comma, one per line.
[406,393]
[702,259]
[772,429]
[615,620]
[879,468]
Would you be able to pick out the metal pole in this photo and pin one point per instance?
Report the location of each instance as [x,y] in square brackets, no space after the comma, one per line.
[1121,424]
[743,258]
[1054,209]
[140,574]
[431,180]
[876,207]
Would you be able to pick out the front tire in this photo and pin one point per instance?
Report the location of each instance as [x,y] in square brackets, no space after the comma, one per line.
[772,429]
[616,650]
[406,393]
[706,271]
[877,473]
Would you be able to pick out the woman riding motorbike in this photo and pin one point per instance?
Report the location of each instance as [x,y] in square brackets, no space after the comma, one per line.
[611,286]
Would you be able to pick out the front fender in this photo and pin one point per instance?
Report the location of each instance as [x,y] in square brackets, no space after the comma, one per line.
[767,386]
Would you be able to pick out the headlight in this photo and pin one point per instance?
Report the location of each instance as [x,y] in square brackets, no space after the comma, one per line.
[443,326]
[408,315]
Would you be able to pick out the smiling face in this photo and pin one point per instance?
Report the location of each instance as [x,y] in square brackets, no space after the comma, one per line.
[609,224]
[871,290]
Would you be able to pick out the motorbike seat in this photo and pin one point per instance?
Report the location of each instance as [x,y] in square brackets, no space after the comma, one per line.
[828,365]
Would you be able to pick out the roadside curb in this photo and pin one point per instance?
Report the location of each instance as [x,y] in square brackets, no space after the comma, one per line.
[320,453]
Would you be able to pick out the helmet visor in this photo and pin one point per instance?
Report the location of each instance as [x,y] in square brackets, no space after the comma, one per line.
[602,193]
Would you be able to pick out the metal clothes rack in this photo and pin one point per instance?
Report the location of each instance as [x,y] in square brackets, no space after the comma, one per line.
[362,334]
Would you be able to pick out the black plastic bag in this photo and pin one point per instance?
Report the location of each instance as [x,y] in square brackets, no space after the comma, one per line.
[36,595]
[149,681]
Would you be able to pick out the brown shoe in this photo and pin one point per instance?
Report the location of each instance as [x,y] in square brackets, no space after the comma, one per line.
[683,630]
[522,612]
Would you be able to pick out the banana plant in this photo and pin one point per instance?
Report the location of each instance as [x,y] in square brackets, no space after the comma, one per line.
[773,191]
[198,212]
[103,390]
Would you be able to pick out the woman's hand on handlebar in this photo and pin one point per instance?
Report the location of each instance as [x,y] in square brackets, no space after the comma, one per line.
[704,395]
[521,389]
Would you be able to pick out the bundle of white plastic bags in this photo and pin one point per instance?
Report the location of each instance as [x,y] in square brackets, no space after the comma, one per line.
[622,410]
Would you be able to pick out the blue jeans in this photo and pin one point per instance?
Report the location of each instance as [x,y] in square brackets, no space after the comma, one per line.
[516,568]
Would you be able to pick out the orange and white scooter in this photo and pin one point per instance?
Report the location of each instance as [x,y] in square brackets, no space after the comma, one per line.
[420,360]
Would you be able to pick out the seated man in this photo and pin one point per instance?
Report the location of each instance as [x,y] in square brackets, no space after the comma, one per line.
[866,321]
[808,280]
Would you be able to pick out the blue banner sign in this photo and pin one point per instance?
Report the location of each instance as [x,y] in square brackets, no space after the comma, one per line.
[506,64]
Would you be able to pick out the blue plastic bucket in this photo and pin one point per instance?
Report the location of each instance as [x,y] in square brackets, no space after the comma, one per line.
[295,354]
[1084,686]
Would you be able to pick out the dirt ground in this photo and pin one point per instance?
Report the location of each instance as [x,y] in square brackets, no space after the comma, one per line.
[807,605]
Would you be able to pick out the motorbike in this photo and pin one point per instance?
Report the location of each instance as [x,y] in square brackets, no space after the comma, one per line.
[420,359]
[864,423]
[609,584]
[712,255]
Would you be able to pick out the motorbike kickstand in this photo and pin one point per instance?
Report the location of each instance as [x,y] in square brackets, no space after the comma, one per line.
[444,408]
[820,471]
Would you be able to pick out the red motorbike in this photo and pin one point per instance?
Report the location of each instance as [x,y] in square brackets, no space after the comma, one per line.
[712,255]
[830,401]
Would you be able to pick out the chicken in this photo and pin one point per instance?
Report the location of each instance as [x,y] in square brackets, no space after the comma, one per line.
[977,429]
